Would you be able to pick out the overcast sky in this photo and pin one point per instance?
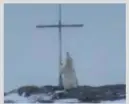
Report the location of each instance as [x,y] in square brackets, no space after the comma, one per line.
[98,49]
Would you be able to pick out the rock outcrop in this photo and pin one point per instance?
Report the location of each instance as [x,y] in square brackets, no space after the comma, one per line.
[82,93]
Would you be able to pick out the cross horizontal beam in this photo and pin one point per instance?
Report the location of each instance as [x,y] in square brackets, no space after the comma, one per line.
[62,25]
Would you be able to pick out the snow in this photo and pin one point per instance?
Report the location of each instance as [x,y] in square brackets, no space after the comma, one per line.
[33,98]
[15,97]
[67,101]
[117,101]
[59,91]
[104,102]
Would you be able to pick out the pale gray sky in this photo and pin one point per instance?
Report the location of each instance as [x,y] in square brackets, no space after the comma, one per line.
[98,49]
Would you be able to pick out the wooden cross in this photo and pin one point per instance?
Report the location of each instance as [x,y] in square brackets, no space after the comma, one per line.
[60,26]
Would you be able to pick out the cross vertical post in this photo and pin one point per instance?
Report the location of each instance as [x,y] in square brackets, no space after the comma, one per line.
[60,48]
[60,26]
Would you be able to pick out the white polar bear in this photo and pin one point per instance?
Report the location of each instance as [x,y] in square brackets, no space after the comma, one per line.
[68,73]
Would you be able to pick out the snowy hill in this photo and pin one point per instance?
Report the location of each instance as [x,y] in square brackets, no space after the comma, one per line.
[54,94]
[20,99]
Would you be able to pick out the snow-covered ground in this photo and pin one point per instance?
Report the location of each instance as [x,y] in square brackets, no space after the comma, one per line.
[21,99]
[15,97]
[117,101]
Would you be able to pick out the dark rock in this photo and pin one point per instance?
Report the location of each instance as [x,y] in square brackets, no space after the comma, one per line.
[82,93]
[5,93]
[28,90]
[9,101]
[93,94]
[50,88]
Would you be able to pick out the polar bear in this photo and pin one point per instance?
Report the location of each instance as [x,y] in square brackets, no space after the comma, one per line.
[68,73]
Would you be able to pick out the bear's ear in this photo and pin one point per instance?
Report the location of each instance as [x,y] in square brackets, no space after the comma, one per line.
[67,54]
[68,57]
